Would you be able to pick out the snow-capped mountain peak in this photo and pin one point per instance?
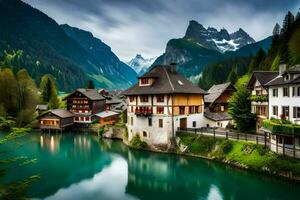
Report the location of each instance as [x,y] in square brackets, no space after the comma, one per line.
[221,40]
[140,64]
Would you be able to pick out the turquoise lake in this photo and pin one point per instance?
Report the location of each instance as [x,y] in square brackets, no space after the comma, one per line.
[82,166]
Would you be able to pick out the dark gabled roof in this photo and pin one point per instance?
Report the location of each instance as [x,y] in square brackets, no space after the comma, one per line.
[278,80]
[216,91]
[166,82]
[263,77]
[217,116]
[91,94]
[61,113]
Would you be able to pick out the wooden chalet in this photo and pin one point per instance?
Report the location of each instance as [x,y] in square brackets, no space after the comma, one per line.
[107,117]
[84,103]
[216,105]
[58,119]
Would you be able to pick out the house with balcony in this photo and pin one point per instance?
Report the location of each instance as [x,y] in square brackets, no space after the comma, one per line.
[84,104]
[260,95]
[162,102]
[216,105]
[284,116]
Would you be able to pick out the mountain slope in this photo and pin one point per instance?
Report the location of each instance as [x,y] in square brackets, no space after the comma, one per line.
[139,64]
[107,62]
[45,42]
[213,39]
[194,51]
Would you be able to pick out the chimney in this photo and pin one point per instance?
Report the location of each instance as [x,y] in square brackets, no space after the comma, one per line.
[282,68]
[173,67]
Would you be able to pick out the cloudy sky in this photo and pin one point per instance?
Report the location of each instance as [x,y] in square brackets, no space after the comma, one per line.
[145,26]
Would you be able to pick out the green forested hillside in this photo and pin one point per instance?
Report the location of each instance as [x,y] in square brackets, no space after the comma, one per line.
[47,49]
[284,48]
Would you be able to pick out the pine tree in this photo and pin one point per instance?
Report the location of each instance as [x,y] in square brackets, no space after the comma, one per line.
[90,84]
[298,15]
[233,77]
[288,21]
[49,91]
[276,29]
[256,62]
[240,110]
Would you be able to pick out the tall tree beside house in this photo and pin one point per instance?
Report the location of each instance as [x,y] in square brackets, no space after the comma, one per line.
[91,84]
[294,48]
[298,14]
[233,77]
[48,90]
[288,21]
[240,110]
[27,97]
[256,62]
[8,94]
[276,30]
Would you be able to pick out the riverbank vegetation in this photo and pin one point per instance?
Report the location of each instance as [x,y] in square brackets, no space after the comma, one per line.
[14,189]
[20,95]
[241,154]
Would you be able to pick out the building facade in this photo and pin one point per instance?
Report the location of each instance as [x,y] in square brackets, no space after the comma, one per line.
[284,105]
[84,103]
[161,103]
[58,119]
[216,105]
[260,95]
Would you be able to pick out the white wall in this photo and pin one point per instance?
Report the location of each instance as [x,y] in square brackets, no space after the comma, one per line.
[291,101]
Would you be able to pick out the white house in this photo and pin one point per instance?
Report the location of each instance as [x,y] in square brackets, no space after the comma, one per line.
[284,103]
[259,95]
[161,103]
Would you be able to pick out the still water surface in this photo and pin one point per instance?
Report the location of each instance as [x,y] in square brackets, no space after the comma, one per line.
[80,166]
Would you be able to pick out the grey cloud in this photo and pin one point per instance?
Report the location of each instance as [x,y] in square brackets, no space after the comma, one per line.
[145,26]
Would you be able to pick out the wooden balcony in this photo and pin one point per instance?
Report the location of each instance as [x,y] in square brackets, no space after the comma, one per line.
[144,111]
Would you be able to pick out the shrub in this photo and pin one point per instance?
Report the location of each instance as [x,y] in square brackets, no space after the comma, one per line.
[261,150]
[137,143]
[226,146]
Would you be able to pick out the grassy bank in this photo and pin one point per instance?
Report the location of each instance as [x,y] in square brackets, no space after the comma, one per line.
[242,154]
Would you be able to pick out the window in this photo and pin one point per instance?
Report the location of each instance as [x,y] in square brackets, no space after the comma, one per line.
[180,82]
[196,109]
[194,124]
[149,121]
[286,92]
[275,92]
[191,109]
[275,110]
[131,98]
[144,134]
[160,110]
[131,120]
[181,110]
[144,81]
[131,108]
[160,98]
[160,123]
[296,91]
[258,92]
[296,112]
[222,108]
[285,111]
[144,98]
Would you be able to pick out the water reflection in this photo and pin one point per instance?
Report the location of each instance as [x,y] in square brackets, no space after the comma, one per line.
[108,184]
[50,142]
[84,167]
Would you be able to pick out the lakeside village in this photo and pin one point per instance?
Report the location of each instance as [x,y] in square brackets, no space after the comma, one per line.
[164,103]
